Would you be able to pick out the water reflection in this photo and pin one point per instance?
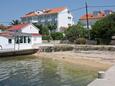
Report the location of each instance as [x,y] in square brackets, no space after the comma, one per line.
[31,71]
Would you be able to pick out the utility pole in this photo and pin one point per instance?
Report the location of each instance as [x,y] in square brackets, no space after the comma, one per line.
[87,19]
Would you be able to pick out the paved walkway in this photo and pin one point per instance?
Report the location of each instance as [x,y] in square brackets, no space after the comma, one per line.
[109,79]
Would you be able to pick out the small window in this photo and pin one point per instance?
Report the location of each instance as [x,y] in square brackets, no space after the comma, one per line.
[24,39]
[68,11]
[17,40]
[9,41]
[69,18]
[69,24]
[29,40]
[21,39]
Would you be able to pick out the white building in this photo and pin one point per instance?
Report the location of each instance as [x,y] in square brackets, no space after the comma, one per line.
[59,16]
[22,36]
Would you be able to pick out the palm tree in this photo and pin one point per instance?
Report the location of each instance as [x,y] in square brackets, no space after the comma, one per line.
[15,22]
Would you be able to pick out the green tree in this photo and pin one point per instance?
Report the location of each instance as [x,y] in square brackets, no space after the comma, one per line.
[15,22]
[76,31]
[103,30]
[44,30]
[57,35]
[83,32]
[39,26]
[52,27]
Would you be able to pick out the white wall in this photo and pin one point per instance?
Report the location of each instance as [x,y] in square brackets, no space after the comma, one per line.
[23,46]
[36,40]
[63,20]
[30,29]
[5,45]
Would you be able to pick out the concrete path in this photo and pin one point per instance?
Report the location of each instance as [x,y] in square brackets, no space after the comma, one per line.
[109,79]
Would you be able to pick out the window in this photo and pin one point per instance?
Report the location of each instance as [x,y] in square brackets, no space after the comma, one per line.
[69,17]
[69,24]
[17,40]
[49,19]
[21,39]
[68,11]
[24,39]
[9,41]
[29,40]
[42,20]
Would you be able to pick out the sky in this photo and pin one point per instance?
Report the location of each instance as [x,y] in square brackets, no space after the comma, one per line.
[14,9]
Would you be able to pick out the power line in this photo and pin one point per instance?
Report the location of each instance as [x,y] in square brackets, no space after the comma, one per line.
[101,6]
[77,9]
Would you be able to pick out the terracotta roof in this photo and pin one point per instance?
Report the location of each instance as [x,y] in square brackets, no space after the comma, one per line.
[3,27]
[18,27]
[100,15]
[44,12]
[12,34]
[6,34]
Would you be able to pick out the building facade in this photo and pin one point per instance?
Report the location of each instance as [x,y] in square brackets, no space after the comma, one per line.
[93,17]
[15,41]
[61,17]
[18,37]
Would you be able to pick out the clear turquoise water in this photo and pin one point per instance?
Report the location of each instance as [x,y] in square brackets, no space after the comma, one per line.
[32,71]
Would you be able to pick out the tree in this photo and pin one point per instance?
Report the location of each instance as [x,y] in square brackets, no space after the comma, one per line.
[15,22]
[52,27]
[76,31]
[83,32]
[57,35]
[103,30]
[39,26]
[45,30]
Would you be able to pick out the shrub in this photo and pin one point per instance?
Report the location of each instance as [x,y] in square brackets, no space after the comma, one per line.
[80,41]
[103,30]
[46,38]
[57,35]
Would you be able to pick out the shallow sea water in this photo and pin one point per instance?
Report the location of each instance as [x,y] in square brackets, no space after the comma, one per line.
[33,71]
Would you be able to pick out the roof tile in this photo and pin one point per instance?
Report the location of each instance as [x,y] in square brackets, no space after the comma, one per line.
[17,27]
[44,12]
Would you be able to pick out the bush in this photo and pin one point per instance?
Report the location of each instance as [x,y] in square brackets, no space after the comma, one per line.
[57,35]
[46,38]
[59,48]
[76,31]
[63,48]
[103,30]
[80,41]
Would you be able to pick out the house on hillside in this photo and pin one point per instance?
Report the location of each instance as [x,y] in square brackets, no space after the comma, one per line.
[61,17]
[93,17]
[22,36]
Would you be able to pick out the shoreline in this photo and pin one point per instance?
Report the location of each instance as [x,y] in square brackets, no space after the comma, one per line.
[99,61]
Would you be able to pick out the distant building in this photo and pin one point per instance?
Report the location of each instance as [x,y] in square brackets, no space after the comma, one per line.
[93,17]
[3,28]
[21,36]
[59,16]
